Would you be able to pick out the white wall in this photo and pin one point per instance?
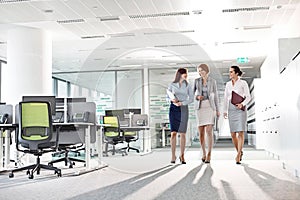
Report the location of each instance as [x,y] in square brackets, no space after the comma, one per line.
[278,109]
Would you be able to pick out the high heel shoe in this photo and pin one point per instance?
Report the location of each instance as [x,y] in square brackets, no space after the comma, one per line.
[203,158]
[181,158]
[207,160]
[241,155]
[173,161]
[238,159]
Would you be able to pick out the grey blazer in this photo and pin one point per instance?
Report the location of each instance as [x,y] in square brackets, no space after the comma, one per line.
[212,92]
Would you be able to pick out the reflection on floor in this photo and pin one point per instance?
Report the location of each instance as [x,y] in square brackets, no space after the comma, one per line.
[153,177]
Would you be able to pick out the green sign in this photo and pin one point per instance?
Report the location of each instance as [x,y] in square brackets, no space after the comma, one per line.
[242,60]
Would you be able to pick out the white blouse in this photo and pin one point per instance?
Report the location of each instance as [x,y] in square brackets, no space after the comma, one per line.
[241,88]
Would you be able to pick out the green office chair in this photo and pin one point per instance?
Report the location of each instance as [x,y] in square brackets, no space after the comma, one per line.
[113,135]
[131,136]
[35,135]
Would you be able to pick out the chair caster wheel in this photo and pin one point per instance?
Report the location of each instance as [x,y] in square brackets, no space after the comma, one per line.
[11,175]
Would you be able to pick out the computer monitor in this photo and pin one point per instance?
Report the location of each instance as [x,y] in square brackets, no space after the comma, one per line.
[119,113]
[50,99]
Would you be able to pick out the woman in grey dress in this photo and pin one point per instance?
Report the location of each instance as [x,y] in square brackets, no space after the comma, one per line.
[236,114]
[207,108]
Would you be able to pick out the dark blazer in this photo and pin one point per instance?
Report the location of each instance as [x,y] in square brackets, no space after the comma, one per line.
[212,92]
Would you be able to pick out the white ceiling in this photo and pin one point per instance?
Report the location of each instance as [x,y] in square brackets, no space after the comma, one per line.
[97,35]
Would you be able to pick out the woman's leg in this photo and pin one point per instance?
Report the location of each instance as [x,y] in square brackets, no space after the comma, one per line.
[173,145]
[202,141]
[240,144]
[182,145]
[234,140]
[210,141]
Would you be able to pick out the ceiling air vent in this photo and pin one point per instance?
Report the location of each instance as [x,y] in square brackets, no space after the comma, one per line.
[231,10]
[158,15]
[112,48]
[239,42]
[169,32]
[121,35]
[108,18]
[70,21]
[92,36]
[13,1]
[176,45]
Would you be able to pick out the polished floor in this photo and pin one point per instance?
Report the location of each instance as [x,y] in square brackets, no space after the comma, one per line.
[151,176]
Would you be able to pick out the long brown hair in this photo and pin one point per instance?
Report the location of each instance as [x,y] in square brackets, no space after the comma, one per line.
[179,72]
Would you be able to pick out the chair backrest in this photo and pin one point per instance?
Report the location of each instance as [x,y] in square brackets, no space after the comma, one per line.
[113,128]
[35,125]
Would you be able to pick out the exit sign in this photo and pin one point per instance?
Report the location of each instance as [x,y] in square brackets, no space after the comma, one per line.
[242,60]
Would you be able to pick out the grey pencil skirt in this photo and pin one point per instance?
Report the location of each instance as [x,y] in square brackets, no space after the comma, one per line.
[237,119]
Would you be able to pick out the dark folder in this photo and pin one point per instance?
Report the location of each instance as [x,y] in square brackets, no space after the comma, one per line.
[237,99]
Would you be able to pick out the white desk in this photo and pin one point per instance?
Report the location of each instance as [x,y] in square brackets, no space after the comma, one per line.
[7,128]
[163,135]
[87,127]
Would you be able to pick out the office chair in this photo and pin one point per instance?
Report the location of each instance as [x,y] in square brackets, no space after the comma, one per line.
[74,143]
[131,136]
[35,135]
[112,135]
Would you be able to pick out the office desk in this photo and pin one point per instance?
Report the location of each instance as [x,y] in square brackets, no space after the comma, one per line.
[87,127]
[8,128]
[163,135]
[146,136]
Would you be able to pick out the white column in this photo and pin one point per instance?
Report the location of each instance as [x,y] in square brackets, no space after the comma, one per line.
[146,91]
[29,64]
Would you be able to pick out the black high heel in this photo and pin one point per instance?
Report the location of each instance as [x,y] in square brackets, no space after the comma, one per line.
[208,158]
[173,161]
[241,155]
[237,159]
[182,160]
[203,159]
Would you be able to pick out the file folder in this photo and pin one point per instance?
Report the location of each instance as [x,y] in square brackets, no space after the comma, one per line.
[237,99]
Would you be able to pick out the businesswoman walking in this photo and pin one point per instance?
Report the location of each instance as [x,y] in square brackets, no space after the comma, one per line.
[237,114]
[207,108]
[180,94]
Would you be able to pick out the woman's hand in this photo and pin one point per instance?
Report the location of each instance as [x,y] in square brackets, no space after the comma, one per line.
[178,103]
[239,106]
[199,97]
[175,100]
[225,115]
[218,114]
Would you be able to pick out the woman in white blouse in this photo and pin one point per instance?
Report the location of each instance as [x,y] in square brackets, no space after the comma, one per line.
[237,114]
